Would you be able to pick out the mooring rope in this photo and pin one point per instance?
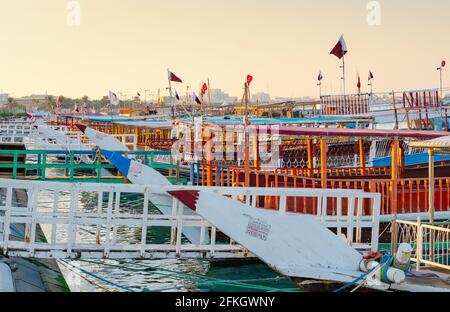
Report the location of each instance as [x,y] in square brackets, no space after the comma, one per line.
[99,277]
[198,278]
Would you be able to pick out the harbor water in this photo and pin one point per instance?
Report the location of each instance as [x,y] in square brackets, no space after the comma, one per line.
[153,275]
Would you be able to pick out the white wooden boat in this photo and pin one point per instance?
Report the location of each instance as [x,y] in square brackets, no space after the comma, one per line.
[138,173]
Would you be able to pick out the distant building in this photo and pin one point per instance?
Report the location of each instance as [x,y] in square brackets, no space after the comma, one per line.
[446,99]
[32,102]
[261,97]
[219,97]
[4,98]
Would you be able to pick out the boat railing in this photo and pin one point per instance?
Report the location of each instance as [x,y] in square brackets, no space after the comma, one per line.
[73,166]
[431,243]
[129,140]
[411,198]
[86,220]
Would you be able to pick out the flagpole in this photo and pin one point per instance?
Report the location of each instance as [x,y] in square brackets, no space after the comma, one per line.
[343,73]
[246,139]
[209,95]
[440,74]
[171,100]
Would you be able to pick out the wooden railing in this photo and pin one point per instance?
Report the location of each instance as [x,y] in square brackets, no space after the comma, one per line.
[412,194]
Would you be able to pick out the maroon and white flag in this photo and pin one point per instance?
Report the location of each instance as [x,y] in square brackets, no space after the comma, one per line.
[443,64]
[174,78]
[370,75]
[340,49]
[320,77]
[196,99]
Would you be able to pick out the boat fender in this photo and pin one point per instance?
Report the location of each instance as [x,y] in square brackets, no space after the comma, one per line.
[6,278]
[386,273]
[402,259]
[391,275]
[367,265]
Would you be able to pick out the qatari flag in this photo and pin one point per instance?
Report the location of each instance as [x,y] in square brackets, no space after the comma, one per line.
[340,49]
[196,99]
[174,78]
[370,75]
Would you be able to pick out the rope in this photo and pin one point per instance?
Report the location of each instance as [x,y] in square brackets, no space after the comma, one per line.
[387,259]
[98,277]
[83,277]
[200,279]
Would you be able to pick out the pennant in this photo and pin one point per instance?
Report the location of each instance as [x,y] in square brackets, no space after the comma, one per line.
[204,88]
[443,63]
[320,77]
[174,78]
[196,99]
[359,84]
[113,99]
[340,49]
[249,79]
[370,75]
[176,95]
[59,101]
[138,94]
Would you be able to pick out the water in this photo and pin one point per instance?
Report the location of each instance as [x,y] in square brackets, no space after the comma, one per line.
[151,275]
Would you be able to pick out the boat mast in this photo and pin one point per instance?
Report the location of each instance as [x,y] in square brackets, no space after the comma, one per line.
[247,137]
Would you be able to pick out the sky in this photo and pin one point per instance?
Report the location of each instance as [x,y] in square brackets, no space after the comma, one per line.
[128,45]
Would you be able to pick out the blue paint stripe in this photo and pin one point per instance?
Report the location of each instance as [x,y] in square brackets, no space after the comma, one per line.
[410,160]
[119,161]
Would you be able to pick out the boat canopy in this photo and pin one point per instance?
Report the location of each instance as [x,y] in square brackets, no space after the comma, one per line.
[235,120]
[147,124]
[339,132]
[438,143]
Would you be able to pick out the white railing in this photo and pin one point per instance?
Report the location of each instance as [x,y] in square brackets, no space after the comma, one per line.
[94,220]
[16,128]
[431,243]
[129,140]
[347,220]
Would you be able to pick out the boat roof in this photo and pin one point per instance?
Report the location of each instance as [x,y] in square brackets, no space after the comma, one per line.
[235,120]
[116,118]
[148,124]
[438,143]
[339,132]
